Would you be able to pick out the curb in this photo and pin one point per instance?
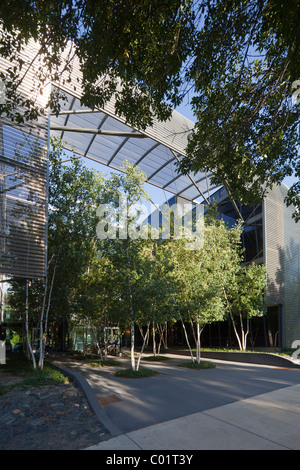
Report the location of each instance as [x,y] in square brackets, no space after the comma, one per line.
[92,400]
[267,359]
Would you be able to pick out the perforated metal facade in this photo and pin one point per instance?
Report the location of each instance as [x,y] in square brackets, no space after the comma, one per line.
[23,202]
[23,184]
[282,241]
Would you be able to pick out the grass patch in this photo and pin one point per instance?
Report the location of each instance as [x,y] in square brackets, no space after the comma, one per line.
[155,358]
[135,374]
[50,375]
[195,365]
[103,363]
[19,366]
[5,389]
[287,352]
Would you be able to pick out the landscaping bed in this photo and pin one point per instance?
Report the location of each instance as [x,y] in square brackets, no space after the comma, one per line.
[18,373]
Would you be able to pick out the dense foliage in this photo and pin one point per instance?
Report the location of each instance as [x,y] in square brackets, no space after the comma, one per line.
[132,50]
[245,73]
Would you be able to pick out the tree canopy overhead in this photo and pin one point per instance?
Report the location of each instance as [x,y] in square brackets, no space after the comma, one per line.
[139,45]
[245,69]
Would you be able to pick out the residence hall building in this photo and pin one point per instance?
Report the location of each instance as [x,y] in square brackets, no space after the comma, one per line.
[270,235]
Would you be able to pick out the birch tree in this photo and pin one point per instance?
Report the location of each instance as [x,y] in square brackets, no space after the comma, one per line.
[212,283]
[245,299]
[202,274]
[124,245]
[156,289]
[74,194]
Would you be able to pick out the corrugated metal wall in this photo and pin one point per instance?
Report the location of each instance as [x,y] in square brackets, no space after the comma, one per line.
[274,245]
[282,250]
[23,185]
[292,276]
[23,202]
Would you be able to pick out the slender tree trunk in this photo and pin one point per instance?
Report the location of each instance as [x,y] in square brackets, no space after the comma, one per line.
[41,359]
[233,322]
[142,350]
[242,338]
[142,332]
[160,339]
[42,344]
[49,298]
[99,351]
[187,339]
[193,331]
[235,330]
[27,327]
[131,315]
[132,345]
[242,331]
[153,338]
[198,347]
[245,333]
[161,330]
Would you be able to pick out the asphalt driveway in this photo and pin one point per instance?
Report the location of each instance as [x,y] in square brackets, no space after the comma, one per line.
[175,392]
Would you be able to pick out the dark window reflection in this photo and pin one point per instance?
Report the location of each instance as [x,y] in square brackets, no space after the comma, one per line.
[252,236]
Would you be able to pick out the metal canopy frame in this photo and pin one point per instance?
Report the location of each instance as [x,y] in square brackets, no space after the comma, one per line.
[103,137]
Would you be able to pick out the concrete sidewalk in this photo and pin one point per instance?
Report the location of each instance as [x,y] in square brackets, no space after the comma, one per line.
[233,407]
[269,421]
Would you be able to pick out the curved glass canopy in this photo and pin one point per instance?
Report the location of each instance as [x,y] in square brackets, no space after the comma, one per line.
[105,138]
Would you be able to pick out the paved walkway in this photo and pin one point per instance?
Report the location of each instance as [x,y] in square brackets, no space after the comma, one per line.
[234,407]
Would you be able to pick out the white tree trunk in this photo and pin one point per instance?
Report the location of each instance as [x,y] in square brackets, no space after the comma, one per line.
[44,330]
[131,315]
[198,348]
[235,331]
[153,338]
[142,350]
[42,346]
[27,327]
[132,358]
[187,339]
